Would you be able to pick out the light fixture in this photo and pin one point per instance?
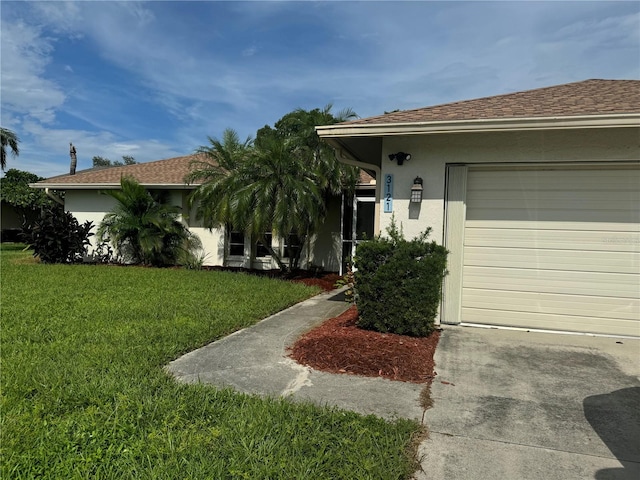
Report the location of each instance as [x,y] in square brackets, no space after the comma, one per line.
[400,157]
[416,190]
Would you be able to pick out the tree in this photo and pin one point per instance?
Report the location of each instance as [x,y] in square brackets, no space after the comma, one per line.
[145,229]
[8,139]
[299,126]
[99,161]
[27,201]
[279,184]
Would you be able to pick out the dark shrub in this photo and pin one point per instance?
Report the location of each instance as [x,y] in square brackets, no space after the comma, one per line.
[57,237]
[398,283]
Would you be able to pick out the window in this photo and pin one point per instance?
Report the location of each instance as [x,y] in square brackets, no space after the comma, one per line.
[189,214]
[364,219]
[292,246]
[261,250]
[236,244]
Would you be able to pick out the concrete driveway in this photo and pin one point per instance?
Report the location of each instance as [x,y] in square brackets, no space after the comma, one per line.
[523,405]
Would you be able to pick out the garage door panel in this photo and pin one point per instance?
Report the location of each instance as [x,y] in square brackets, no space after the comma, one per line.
[541,321]
[548,259]
[553,304]
[551,281]
[548,198]
[553,203]
[555,179]
[610,226]
[559,214]
[552,239]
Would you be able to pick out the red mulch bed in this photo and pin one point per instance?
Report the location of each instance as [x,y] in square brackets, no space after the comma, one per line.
[327,282]
[339,346]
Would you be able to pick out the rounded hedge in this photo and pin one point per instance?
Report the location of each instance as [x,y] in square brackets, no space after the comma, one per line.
[398,283]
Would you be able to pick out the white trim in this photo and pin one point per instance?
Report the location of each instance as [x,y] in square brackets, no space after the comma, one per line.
[455,214]
[479,125]
[346,157]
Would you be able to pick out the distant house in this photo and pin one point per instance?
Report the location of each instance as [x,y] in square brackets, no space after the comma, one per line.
[10,222]
[536,195]
[222,247]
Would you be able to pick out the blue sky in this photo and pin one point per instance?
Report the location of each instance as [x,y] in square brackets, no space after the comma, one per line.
[154,79]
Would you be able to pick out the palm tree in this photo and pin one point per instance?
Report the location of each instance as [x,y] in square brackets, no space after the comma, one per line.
[275,192]
[11,140]
[280,183]
[221,159]
[144,229]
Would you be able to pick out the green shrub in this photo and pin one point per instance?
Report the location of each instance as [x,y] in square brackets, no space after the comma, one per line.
[57,237]
[398,283]
[144,228]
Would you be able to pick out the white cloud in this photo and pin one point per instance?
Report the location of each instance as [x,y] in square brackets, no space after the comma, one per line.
[250,51]
[25,89]
[61,17]
[48,155]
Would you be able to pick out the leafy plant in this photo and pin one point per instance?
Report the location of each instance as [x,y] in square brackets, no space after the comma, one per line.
[398,283]
[58,237]
[348,281]
[193,259]
[102,253]
[145,229]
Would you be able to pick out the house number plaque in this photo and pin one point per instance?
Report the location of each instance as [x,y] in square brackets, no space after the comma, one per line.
[388,193]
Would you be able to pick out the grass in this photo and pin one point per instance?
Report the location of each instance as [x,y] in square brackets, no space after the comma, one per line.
[84,394]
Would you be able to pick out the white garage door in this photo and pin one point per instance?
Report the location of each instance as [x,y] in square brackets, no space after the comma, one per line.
[553,248]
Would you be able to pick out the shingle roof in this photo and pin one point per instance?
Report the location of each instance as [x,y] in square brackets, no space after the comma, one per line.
[589,97]
[366,179]
[161,172]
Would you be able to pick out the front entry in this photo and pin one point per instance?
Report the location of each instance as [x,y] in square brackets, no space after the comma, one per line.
[358,218]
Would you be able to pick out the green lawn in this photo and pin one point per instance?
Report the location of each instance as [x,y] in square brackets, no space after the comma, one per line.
[84,394]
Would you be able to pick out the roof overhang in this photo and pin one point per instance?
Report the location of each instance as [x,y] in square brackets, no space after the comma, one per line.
[478,125]
[110,186]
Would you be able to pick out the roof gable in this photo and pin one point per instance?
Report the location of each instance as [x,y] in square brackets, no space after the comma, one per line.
[589,97]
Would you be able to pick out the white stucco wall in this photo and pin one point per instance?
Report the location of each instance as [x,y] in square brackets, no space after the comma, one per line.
[92,205]
[431,153]
[88,205]
[325,247]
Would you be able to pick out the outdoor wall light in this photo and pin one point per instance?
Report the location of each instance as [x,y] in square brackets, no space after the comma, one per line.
[400,157]
[416,190]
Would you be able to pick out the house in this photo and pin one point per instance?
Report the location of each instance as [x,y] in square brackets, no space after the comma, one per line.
[10,222]
[221,247]
[536,195]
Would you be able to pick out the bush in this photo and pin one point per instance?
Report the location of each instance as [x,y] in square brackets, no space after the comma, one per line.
[57,237]
[398,283]
[144,229]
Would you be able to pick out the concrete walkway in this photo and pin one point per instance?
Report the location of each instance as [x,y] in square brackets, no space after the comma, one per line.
[508,404]
[254,360]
